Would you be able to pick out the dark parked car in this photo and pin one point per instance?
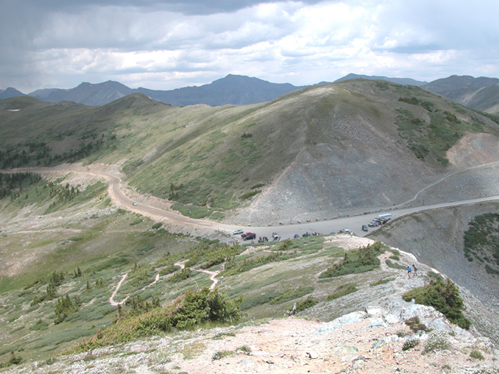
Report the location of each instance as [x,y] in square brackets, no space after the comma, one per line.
[250,236]
[364,228]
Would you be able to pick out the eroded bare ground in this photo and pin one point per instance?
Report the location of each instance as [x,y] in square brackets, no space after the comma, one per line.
[363,344]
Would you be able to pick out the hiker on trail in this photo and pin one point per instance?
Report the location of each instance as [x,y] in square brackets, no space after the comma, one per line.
[415,270]
[409,270]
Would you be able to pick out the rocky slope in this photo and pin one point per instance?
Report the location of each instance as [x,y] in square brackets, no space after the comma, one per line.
[374,340]
[436,239]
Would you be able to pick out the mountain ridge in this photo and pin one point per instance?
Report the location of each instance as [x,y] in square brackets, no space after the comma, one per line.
[240,90]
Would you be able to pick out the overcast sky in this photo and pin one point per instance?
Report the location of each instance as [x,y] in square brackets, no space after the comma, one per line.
[162,44]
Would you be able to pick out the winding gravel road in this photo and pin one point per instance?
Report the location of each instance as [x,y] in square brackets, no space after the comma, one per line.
[211,227]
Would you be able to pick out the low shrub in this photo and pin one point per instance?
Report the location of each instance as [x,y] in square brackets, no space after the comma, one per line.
[309,302]
[415,324]
[218,355]
[477,355]
[291,294]
[381,281]
[394,265]
[409,344]
[189,310]
[343,290]
[444,297]
[356,261]
[437,341]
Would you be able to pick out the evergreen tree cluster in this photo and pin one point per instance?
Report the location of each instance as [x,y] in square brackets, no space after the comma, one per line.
[55,281]
[40,154]
[13,184]
[65,306]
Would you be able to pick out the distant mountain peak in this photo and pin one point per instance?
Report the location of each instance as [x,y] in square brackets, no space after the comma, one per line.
[403,81]
[10,92]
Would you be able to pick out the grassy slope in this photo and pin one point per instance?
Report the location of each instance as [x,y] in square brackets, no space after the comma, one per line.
[221,155]
[108,243]
[217,158]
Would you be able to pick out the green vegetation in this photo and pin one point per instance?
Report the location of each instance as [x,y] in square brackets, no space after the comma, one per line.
[192,309]
[437,341]
[481,241]
[65,306]
[343,290]
[394,265]
[381,281]
[309,302]
[476,355]
[13,360]
[218,355]
[409,344]
[429,140]
[291,294]
[356,261]
[415,324]
[444,297]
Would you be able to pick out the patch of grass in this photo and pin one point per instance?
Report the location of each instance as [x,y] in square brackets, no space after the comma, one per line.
[356,261]
[218,355]
[221,335]
[260,299]
[342,290]
[437,341]
[237,268]
[476,355]
[249,195]
[137,221]
[191,351]
[291,294]
[393,265]
[381,281]
[309,302]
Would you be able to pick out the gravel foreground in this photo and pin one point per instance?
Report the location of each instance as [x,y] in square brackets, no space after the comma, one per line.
[370,341]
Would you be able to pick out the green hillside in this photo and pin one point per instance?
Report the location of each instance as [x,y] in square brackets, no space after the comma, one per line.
[209,160]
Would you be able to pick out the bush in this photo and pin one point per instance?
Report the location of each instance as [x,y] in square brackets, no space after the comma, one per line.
[218,355]
[191,309]
[309,302]
[437,341]
[291,294]
[416,325]
[477,355]
[444,297]
[357,261]
[409,344]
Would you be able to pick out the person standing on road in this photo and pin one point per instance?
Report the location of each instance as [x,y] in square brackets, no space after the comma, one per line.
[409,271]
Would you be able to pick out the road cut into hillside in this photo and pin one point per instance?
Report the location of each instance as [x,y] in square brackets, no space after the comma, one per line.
[160,210]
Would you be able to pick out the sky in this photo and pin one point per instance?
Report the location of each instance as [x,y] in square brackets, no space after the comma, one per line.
[160,44]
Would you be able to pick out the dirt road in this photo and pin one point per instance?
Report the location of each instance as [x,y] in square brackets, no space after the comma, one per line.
[200,226]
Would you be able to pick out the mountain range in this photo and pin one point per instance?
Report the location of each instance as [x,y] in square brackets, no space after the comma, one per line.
[478,93]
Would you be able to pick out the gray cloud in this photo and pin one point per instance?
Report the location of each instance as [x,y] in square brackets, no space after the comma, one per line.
[167,44]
